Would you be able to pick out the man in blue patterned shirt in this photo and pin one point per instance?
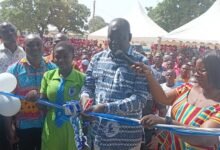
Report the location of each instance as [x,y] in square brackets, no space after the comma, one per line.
[116,89]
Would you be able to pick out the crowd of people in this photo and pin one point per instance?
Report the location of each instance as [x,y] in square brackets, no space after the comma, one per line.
[194,48]
[166,87]
[81,45]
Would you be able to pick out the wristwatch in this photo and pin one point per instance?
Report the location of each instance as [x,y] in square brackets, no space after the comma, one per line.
[168,120]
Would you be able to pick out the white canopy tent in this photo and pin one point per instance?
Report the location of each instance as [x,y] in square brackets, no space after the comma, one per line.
[143,29]
[205,28]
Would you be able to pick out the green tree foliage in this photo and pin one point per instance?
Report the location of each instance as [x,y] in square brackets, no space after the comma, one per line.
[35,15]
[96,23]
[171,14]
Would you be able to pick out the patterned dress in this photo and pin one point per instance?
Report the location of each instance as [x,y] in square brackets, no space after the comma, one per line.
[191,115]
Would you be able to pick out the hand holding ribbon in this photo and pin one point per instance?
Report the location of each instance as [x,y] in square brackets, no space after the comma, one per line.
[32,96]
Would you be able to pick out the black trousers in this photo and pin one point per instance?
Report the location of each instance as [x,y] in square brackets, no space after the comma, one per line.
[29,139]
[4,143]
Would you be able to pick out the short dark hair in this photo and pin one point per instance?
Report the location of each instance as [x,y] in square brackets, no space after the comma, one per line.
[170,70]
[211,60]
[60,37]
[3,25]
[122,22]
[66,45]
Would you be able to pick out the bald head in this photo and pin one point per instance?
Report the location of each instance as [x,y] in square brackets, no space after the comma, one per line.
[60,37]
[8,33]
[31,37]
[33,47]
[31,40]
[119,34]
[7,25]
[119,23]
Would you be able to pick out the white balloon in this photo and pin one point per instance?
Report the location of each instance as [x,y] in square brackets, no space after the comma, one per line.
[8,82]
[9,105]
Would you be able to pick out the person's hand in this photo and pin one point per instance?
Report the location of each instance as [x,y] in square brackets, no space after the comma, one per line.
[87,117]
[141,68]
[32,96]
[99,108]
[150,120]
[83,101]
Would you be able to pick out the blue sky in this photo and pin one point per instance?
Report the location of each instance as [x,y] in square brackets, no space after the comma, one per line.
[110,9]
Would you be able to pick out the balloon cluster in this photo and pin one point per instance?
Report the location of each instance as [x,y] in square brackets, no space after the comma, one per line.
[9,105]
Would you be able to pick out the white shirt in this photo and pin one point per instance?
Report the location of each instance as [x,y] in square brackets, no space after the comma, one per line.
[167,89]
[7,57]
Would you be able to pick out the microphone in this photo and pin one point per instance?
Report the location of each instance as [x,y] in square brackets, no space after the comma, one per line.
[122,55]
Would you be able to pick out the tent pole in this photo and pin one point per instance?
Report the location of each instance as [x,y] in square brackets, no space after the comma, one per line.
[159,44]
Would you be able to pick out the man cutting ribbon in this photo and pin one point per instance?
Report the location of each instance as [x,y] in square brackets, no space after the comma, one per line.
[116,89]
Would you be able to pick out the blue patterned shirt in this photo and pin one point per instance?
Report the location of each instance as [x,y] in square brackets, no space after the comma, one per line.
[111,81]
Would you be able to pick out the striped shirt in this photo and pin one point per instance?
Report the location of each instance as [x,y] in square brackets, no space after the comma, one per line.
[111,81]
[29,78]
[190,115]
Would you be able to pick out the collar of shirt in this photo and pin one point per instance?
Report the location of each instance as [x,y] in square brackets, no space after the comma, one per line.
[129,52]
[57,76]
[179,78]
[158,69]
[3,48]
[42,63]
